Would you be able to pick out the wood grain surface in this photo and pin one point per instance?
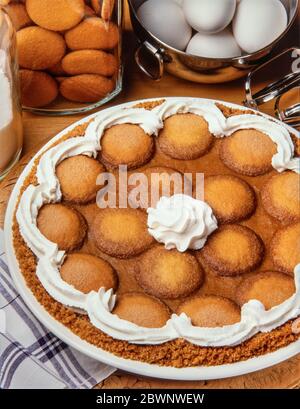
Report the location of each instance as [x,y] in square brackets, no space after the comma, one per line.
[39,129]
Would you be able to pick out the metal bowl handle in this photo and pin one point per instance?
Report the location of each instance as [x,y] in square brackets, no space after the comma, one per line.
[156,54]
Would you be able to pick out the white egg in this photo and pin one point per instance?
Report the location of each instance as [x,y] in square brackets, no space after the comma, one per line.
[218,45]
[166,21]
[209,16]
[258,23]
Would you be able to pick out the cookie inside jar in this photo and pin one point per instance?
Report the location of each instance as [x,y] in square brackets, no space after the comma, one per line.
[69,53]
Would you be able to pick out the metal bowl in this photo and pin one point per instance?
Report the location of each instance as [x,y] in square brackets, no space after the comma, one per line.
[153,56]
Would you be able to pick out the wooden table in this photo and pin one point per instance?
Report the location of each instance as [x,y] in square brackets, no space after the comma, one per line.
[39,129]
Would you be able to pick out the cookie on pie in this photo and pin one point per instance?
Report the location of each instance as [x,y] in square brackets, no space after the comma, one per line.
[161,181]
[271,288]
[233,250]
[169,273]
[78,178]
[210,311]
[285,248]
[126,144]
[248,152]
[281,197]
[88,273]
[185,136]
[62,225]
[231,198]
[142,310]
[121,233]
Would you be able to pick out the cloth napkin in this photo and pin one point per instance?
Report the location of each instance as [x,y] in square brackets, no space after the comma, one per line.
[31,356]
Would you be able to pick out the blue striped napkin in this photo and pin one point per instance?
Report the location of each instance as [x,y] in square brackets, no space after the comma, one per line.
[32,357]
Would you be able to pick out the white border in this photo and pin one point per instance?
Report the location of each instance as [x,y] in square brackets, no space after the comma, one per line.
[192,373]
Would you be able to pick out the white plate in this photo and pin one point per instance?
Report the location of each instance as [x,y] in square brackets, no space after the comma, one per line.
[194,373]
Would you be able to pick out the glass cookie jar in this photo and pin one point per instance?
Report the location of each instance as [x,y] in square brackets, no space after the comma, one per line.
[69,53]
[11,132]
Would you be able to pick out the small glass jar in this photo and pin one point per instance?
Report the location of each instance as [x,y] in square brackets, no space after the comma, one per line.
[69,53]
[11,131]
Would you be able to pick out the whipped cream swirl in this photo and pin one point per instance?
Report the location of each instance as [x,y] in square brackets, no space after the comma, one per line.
[284,158]
[99,307]
[49,256]
[147,120]
[254,318]
[181,222]
[204,108]
[220,127]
